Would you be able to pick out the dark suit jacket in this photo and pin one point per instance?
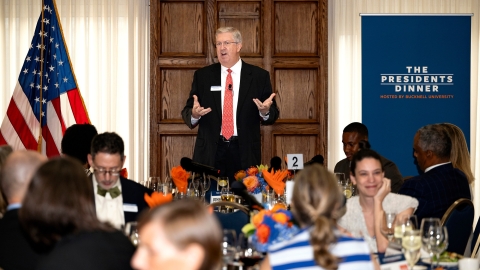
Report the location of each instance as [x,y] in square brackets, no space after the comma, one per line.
[90,250]
[132,193]
[254,83]
[17,251]
[391,172]
[436,190]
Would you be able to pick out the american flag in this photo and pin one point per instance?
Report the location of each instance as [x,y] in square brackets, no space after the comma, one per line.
[46,99]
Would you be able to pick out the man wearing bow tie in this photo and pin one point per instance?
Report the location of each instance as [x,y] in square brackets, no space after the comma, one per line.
[117,200]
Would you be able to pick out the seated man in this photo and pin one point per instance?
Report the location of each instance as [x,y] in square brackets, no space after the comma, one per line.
[107,158]
[440,185]
[16,249]
[76,143]
[353,133]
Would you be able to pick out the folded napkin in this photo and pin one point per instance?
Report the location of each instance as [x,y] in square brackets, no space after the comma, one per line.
[157,198]
[275,180]
[180,178]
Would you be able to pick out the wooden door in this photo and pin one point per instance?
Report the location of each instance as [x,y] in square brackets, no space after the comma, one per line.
[286,37]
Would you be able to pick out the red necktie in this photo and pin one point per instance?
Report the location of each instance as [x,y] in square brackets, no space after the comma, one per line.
[227,117]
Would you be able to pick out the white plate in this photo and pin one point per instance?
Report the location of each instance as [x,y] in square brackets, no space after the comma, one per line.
[427,261]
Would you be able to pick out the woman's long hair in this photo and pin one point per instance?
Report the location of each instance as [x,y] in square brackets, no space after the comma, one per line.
[459,155]
[59,202]
[316,202]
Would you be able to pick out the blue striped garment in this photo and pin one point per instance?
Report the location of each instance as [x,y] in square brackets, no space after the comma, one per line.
[297,253]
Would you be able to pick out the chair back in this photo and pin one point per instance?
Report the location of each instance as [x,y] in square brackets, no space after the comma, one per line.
[235,220]
[475,240]
[459,221]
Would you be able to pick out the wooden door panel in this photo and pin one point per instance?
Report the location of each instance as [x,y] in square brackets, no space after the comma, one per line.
[286,37]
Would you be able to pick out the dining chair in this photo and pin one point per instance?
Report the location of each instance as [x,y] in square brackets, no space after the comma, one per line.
[235,220]
[459,221]
[475,240]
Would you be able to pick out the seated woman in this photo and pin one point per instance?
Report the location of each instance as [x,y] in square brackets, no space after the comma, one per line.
[316,205]
[58,211]
[365,212]
[459,155]
[181,235]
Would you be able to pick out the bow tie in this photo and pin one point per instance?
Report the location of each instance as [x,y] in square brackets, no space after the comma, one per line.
[114,192]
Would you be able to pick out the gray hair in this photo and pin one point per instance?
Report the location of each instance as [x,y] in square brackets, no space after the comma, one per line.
[237,36]
[435,139]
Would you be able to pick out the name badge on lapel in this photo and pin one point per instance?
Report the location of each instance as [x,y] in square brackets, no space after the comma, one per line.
[128,207]
[216,88]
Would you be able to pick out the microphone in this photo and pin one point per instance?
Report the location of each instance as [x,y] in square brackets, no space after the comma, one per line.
[230,87]
[193,166]
[238,188]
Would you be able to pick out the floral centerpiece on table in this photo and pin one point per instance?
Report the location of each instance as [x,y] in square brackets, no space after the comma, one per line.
[253,179]
[269,227]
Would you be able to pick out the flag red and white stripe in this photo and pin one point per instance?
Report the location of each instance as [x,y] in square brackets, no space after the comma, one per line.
[46,99]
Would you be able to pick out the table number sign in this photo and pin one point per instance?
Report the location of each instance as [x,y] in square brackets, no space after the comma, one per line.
[295,161]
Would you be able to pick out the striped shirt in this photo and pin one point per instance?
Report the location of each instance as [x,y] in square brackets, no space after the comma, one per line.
[297,253]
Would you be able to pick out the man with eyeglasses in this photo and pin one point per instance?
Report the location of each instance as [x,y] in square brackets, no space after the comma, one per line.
[117,200]
[229,101]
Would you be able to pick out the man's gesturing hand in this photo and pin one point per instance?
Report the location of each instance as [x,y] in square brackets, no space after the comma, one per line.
[265,106]
[197,110]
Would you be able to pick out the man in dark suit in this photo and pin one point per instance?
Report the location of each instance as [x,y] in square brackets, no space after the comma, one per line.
[355,134]
[229,101]
[440,185]
[17,251]
[107,159]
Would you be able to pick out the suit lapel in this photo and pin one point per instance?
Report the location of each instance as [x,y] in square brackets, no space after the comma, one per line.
[245,81]
[216,80]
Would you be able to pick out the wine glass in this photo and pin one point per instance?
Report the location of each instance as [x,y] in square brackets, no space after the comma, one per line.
[229,242]
[247,252]
[402,225]
[131,231]
[388,226]
[154,182]
[205,185]
[227,196]
[412,243]
[340,178]
[441,245]
[166,186]
[430,229]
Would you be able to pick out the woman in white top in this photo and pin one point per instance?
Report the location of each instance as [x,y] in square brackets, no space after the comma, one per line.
[365,212]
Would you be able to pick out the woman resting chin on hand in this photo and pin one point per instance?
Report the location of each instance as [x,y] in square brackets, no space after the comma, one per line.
[365,212]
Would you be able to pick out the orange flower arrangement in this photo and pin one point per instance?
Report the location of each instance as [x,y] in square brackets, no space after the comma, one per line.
[180,178]
[157,198]
[252,171]
[124,173]
[270,226]
[276,180]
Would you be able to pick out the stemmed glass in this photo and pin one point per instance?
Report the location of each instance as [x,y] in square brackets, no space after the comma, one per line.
[434,237]
[388,226]
[229,242]
[412,243]
[340,178]
[154,182]
[131,232]
[247,252]
[205,185]
[403,225]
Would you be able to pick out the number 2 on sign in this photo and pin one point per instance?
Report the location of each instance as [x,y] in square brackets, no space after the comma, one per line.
[295,161]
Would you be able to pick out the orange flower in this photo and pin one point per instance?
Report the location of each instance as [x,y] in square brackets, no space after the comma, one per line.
[124,173]
[275,180]
[280,218]
[240,175]
[278,206]
[252,171]
[251,182]
[258,218]
[157,198]
[180,178]
[263,232]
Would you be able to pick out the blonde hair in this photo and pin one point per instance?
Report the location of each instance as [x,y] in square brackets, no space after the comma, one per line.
[459,155]
[186,222]
[317,202]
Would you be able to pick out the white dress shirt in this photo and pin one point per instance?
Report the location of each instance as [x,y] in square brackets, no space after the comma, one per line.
[108,209]
[236,72]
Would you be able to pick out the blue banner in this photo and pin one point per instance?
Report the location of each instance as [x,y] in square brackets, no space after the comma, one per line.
[415,71]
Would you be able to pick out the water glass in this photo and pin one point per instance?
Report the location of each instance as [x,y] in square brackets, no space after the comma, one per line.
[388,225]
[412,243]
[154,182]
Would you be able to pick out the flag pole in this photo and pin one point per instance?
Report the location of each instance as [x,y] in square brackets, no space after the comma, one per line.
[39,148]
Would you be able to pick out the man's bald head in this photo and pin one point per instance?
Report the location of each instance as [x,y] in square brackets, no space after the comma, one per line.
[17,173]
